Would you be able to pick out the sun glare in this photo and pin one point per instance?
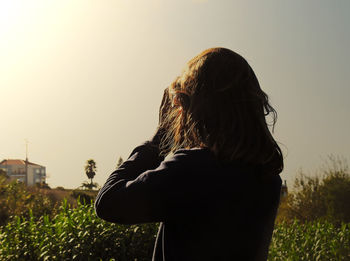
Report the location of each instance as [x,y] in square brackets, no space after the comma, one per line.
[10,13]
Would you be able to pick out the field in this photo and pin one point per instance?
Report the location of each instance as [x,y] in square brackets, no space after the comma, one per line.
[57,224]
[77,234]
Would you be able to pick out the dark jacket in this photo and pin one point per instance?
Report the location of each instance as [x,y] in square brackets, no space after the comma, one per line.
[207,210]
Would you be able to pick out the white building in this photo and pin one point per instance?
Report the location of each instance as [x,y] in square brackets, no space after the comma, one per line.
[24,171]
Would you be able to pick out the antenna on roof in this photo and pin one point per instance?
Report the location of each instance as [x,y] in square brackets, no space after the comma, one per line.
[26,140]
[26,177]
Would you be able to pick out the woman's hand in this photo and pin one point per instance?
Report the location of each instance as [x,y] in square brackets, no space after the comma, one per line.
[163,112]
[164,107]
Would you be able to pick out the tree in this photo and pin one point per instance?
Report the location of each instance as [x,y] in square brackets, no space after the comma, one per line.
[3,174]
[90,170]
[336,194]
[87,185]
[42,185]
[325,197]
[120,162]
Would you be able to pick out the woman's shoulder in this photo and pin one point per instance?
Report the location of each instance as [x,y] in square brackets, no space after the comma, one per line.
[192,155]
[197,151]
[203,159]
[194,158]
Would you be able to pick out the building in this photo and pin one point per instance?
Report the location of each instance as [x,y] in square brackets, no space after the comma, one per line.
[284,189]
[24,171]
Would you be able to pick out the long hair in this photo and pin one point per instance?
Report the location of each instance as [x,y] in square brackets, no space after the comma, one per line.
[217,103]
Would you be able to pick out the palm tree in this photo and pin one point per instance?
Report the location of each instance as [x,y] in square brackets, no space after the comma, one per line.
[90,170]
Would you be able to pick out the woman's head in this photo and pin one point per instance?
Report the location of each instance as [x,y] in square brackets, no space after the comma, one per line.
[217,103]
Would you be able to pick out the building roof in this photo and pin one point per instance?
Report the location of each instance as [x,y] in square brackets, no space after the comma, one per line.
[7,162]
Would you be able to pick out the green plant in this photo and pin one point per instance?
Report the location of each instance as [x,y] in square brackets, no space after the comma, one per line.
[319,197]
[82,197]
[75,234]
[78,234]
[17,199]
[319,241]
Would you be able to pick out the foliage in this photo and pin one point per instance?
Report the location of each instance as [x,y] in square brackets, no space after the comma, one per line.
[3,174]
[17,199]
[78,234]
[310,241]
[90,169]
[42,185]
[40,230]
[87,185]
[75,234]
[82,197]
[325,198]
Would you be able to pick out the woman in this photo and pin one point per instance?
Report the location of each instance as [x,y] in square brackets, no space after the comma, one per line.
[217,195]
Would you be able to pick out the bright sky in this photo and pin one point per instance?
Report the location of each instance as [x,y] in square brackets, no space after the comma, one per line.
[84,79]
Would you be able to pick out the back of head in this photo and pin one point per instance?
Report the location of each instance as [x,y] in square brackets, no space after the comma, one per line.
[218,103]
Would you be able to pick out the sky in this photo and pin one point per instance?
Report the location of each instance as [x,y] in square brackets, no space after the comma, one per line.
[84,79]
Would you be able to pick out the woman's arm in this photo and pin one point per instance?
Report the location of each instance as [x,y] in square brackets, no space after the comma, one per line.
[123,201]
[108,202]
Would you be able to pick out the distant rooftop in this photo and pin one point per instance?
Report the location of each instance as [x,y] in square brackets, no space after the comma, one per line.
[17,162]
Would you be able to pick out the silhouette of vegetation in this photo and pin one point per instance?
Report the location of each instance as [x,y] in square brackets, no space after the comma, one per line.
[90,170]
[320,197]
[89,185]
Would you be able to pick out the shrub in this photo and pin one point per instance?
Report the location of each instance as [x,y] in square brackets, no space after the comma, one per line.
[17,199]
[82,197]
[75,234]
[315,198]
[78,234]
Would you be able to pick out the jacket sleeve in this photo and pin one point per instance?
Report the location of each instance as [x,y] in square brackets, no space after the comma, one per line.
[134,193]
